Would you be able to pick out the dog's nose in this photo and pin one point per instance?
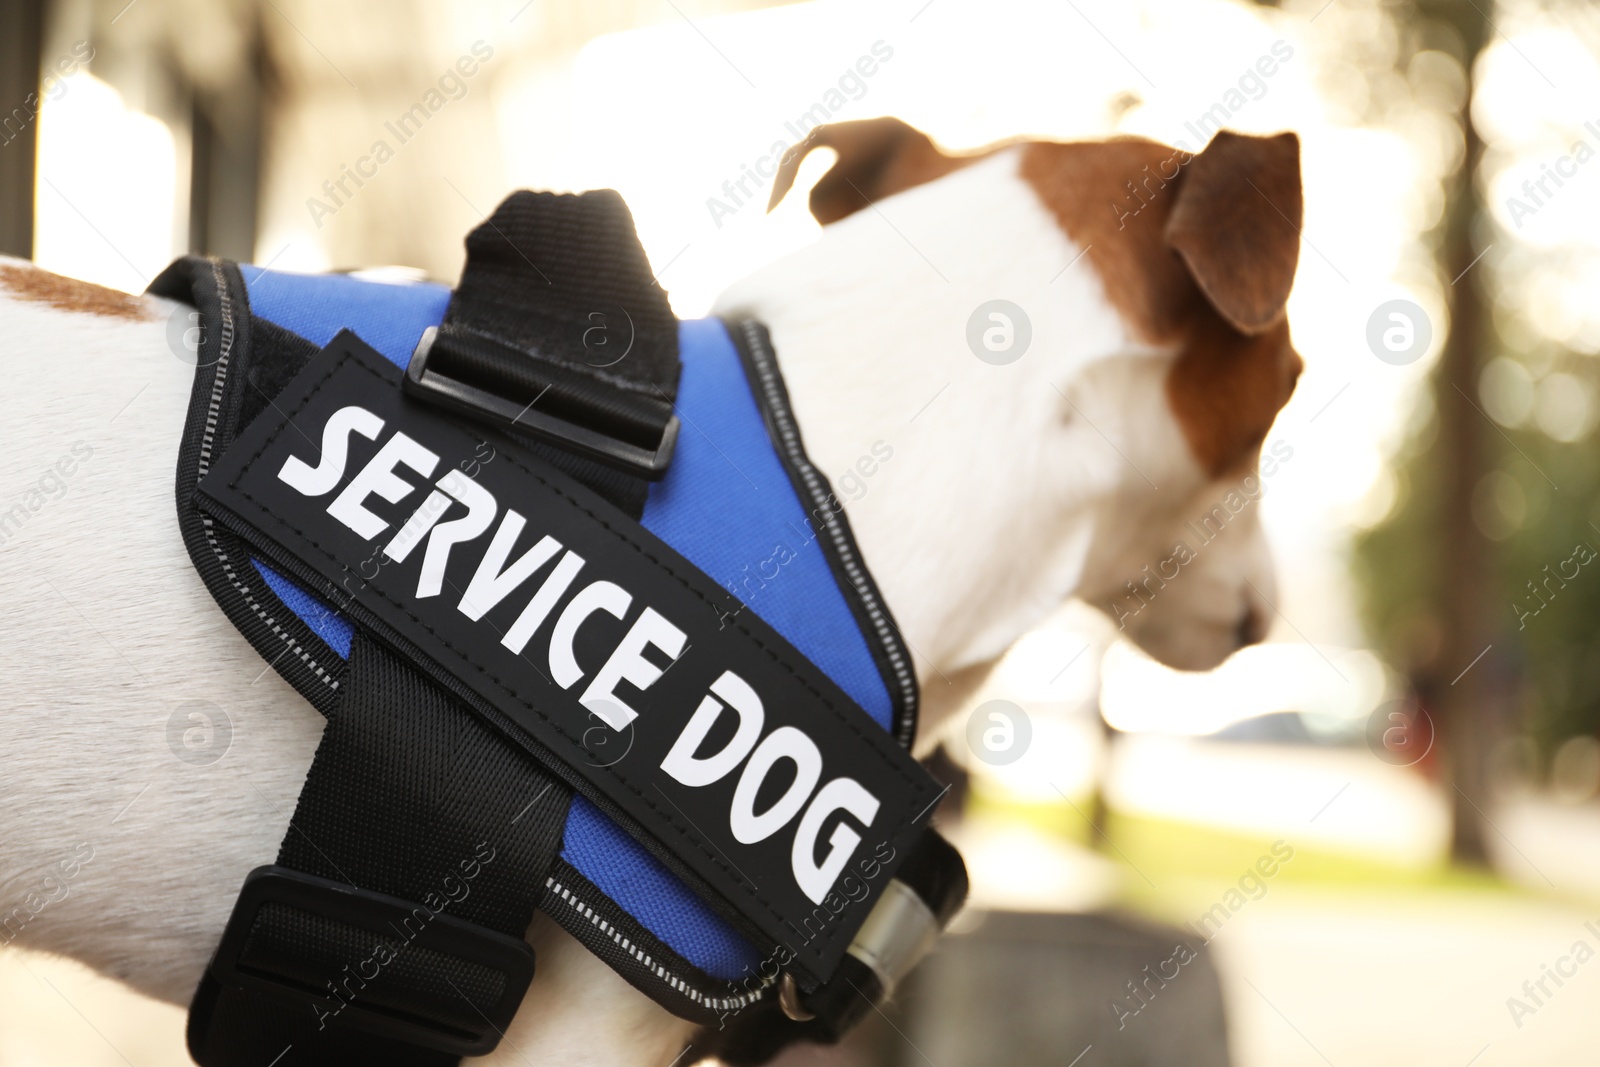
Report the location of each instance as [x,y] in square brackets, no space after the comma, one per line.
[1252,626]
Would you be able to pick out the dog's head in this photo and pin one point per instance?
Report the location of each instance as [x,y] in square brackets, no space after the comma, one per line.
[1196,254]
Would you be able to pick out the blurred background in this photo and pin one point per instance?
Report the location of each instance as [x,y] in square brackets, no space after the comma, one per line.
[1373,836]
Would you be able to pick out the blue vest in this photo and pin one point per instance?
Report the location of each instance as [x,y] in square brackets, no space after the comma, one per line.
[728,505]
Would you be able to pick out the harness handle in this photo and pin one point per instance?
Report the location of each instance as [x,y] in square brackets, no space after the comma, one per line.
[558,331]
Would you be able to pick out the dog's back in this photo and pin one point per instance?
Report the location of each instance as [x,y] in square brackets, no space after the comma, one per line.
[114,662]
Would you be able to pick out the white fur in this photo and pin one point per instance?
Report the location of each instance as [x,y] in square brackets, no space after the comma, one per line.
[1061,474]
[1000,500]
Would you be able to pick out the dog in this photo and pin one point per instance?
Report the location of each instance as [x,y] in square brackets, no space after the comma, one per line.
[985,492]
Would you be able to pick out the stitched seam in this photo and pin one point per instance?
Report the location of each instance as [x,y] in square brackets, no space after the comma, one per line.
[661,812]
[643,957]
[207,441]
[853,568]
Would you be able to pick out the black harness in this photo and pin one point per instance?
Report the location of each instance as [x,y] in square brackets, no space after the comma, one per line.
[518,644]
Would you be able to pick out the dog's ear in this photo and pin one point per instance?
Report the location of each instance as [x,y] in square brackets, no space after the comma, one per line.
[1236,224]
[877,158]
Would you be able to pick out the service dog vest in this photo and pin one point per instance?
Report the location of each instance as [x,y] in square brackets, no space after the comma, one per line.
[637,677]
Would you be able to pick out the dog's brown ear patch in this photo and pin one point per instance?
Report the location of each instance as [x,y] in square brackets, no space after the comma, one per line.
[1236,223]
[68,294]
[1226,388]
[1114,199]
[1190,254]
[877,158]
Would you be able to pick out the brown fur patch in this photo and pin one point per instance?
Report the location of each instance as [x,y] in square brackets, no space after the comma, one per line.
[1119,198]
[69,294]
[877,158]
[1113,197]
[1226,388]
[1196,251]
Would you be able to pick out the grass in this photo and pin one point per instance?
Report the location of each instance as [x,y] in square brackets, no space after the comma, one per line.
[1191,864]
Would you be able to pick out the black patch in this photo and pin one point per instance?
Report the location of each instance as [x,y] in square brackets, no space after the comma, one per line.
[688,827]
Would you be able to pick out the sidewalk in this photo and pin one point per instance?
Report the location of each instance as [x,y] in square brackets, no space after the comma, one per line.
[1412,979]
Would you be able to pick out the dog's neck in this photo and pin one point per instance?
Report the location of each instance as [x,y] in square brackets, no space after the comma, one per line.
[870,325]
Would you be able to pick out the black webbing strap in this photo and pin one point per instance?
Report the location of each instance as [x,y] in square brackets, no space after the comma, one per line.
[447,782]
[559,331]
[412,797]
[391,929]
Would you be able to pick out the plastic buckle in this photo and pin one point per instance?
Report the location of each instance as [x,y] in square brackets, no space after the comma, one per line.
[437,388]
[392,920]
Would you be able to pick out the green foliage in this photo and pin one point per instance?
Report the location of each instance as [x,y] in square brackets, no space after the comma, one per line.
[1540,503]
[1398,578]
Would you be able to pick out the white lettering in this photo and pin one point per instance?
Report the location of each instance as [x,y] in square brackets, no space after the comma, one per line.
[553,589]
[378,477]
[785,742]
[627,663]
[841,794]
[682,763]
[417,526]
[494,581]
[608,597]
[314,481]
[481,509]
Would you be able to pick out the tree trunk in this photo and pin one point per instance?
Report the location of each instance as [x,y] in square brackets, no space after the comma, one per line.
[1464,702]
[21,38]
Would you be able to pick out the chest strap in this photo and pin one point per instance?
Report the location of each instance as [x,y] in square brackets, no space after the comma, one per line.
[391,928]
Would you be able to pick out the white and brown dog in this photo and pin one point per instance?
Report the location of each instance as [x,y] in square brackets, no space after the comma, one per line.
[1154,283]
